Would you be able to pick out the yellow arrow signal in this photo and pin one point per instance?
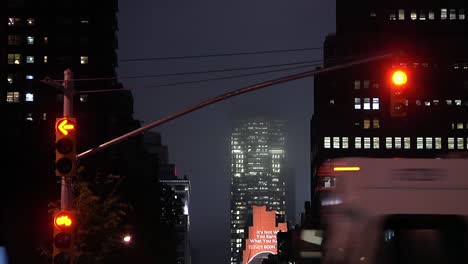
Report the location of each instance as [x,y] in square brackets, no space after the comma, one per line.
[64,126]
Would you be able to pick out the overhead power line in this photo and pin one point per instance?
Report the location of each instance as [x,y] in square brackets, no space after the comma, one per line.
[220,55]
[195,72]
[205,80]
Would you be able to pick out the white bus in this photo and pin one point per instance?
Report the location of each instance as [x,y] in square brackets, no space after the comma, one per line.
[388,211]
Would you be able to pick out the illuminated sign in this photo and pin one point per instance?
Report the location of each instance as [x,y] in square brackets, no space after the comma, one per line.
[262,234]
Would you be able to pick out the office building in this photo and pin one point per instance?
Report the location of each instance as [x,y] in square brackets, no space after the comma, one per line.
[257,178]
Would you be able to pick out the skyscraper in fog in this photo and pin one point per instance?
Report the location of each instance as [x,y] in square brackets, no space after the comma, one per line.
[257,159]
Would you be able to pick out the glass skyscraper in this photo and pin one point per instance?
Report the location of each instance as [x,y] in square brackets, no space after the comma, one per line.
[257,179]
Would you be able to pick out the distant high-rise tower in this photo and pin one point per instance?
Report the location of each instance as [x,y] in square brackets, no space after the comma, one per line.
[257,179]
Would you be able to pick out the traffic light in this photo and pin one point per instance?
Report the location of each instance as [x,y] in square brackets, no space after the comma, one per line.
[65,147]
[398,100]
[64,226]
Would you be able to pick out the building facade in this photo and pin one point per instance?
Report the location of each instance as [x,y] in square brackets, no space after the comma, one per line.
[358,111]
[181,187]
[40,39]
[257,179]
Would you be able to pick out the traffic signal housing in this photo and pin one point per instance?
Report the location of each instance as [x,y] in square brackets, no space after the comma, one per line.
[398,97]
[64,227]
[65,147]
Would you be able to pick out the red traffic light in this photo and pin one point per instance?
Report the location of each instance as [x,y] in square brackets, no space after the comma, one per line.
[65,125]
[63,220]
[399,78]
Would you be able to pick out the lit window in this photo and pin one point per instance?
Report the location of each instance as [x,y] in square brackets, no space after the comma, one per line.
[336,142]
[357,103]
[459,125]
[83,98]
[366,103]
[46,59]
[357,142]
[375,85]
[435,102]
[12,21]
[84,59]
[398,142]
[345,142]
[332,101]
[376,123]
[413,15]
[367,143]
[428,143]
[427,103]
[29,59]
[388,143]
[449,102]
[357,84]
[46,40]
[29,97]
[453,14]
[392,16]
[373,14]
[326,142]
[401,14]
[29,117]
[12,97]
[14,58]
[407,142]
[443,13]
[451,143]
[461,14]
[30,40]
[422,15]
[438,143]
[458,102]
[29,77]
[44,116]
[418,102]
[431,15]
[460,144]
[366,124]
[84,21]
[10,78]
[31,21]
[365,84]
[375,104]
[419,143]
[376,142]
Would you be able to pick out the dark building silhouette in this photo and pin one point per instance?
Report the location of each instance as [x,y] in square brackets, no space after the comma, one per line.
[42,39]
[359,112]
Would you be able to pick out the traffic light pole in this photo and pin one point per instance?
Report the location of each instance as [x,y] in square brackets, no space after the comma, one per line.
[66,192]
[67,88]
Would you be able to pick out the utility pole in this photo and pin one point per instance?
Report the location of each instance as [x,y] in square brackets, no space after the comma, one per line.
[68,91]
[66,192]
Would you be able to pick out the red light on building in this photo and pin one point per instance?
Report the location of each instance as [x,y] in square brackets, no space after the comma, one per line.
[399,78]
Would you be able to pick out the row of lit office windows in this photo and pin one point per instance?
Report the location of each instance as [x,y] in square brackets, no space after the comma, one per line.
[15,97]
[16,58]
[374,104]
[17,21]
[394,142]
[444,14]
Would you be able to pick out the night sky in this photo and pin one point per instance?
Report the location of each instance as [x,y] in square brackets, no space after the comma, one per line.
[199,143]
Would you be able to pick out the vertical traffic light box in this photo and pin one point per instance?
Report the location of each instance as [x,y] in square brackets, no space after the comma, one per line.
[64,228]
[65,147]
[398,87]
